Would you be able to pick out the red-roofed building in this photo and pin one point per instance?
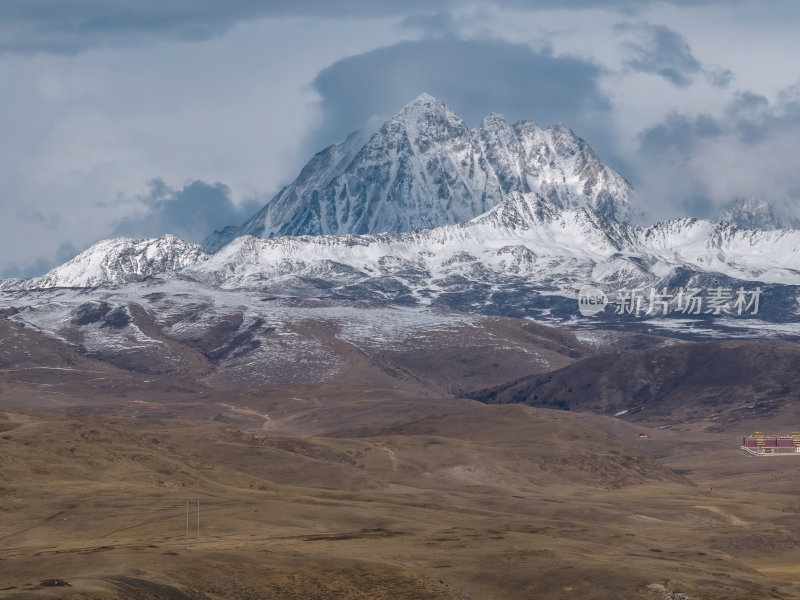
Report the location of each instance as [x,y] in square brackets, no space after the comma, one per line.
[761,444]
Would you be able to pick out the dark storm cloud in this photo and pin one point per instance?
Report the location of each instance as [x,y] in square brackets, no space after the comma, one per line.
[662,51]
[659,50]
[679,133]
[748,150]
[33,216]
[666,147]
[191,213]
[474,78]
[755,119]
[41,265]
[717,76]
[74,25]
[749,118]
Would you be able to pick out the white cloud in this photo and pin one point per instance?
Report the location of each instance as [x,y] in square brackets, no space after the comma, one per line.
[82,131]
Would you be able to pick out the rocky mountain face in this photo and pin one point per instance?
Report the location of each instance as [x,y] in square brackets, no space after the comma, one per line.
[425,168]
[233,338]
[722,382]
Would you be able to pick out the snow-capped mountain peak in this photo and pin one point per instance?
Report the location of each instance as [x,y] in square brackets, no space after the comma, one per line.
[425,168]
[425,108]
[121,260]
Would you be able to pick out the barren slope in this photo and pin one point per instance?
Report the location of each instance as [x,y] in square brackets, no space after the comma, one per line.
[488,502]
[730,383]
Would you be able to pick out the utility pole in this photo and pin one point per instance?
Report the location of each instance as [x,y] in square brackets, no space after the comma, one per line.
[187,522]
[198,520]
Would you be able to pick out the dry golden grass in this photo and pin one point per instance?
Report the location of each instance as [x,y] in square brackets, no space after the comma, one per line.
[483,502]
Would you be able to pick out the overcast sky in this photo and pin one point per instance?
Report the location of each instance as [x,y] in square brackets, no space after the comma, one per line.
[142,118]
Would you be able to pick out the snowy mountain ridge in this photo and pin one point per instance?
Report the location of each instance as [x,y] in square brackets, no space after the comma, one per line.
[117,261]
[524,237]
